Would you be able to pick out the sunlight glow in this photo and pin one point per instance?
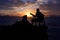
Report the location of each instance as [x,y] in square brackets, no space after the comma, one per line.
[28,14]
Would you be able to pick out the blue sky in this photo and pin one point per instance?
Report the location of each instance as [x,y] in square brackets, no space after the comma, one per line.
[10,7]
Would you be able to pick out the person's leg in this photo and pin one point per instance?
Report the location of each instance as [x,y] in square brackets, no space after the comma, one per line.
[35,23]
[44,23]
[39,23]
[32,22]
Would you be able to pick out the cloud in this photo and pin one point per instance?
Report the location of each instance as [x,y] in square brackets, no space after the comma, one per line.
[12,6]
[6,4]
[48,1]
[8,7]
[53,9]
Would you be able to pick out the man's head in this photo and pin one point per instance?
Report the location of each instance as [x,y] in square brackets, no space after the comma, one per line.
[37,9]
[25,17]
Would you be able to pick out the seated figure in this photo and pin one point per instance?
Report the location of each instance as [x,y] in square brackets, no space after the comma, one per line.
[39,17]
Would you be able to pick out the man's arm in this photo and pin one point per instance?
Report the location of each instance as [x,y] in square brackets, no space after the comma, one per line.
[32,15]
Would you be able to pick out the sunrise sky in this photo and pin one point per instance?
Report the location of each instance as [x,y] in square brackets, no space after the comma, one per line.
[24,7]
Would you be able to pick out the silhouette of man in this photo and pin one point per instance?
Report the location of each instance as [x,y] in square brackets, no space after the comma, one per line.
[39,15]
[24,18]
[25,21]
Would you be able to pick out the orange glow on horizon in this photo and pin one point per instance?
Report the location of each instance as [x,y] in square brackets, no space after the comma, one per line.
[26,12]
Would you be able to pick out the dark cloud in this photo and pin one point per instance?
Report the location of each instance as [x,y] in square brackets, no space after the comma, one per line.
[6,4]
[52,8]
[54,1]
[12,2]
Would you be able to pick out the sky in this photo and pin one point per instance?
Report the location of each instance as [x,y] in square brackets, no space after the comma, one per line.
[24,7]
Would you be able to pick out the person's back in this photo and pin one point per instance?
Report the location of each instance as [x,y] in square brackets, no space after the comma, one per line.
[25,21]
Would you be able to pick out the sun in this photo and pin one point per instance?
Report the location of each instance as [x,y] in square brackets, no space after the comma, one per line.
[28,14]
